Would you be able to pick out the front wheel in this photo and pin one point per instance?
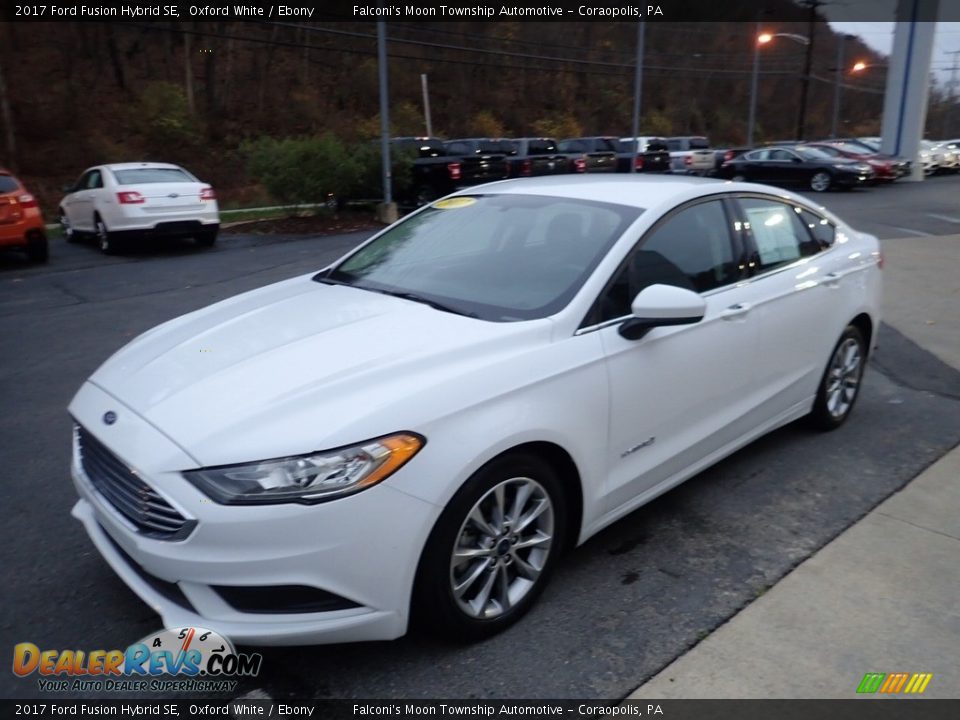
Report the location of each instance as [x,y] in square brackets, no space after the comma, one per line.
[821,181]
[840,384]
[492,550]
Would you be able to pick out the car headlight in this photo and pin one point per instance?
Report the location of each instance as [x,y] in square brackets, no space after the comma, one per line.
[311,478]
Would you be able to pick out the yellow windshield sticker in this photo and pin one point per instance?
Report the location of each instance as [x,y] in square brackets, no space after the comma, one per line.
[454,203]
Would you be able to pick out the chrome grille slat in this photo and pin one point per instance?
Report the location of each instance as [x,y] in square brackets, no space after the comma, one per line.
[127,493]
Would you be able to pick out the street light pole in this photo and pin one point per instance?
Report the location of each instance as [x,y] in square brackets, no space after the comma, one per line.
[838,81]
[753,85]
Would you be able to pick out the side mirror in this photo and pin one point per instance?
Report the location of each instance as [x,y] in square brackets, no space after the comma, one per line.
[662,305]
[796,160]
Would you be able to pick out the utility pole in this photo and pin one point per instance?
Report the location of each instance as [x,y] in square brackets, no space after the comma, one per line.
[951,88]
[637,90]
[807,64]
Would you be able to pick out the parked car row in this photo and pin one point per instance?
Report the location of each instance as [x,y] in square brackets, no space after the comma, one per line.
[442,166]
[113,204]
[834,163]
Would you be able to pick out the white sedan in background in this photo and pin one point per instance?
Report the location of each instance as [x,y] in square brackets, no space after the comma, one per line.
[420,429]
[125,201]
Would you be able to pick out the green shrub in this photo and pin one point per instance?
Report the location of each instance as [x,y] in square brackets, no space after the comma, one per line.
[370,178]
[303,170]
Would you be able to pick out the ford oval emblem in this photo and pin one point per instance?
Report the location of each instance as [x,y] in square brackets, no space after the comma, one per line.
[109,417]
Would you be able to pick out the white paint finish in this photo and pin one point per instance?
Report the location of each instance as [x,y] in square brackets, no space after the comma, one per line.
[301,366]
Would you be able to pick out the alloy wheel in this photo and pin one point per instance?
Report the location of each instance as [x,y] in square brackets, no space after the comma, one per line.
[843,378]
[820,182]
[501,548]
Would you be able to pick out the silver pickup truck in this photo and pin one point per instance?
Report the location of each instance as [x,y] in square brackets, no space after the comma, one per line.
[691,155]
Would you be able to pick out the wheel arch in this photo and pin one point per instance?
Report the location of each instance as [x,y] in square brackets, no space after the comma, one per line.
[864,323]
[562,463]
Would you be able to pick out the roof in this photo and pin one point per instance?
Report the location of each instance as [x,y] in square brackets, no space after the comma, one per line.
[637,190]
[135,165]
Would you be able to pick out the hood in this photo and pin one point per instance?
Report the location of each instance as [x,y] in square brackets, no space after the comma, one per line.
[299,366]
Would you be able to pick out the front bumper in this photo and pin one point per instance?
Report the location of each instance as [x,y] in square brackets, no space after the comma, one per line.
[363,548]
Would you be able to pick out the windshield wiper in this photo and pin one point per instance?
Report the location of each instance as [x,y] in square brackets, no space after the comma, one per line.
[421,299]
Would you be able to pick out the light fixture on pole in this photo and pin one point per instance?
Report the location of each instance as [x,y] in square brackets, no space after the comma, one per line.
[763,38]
[838,83]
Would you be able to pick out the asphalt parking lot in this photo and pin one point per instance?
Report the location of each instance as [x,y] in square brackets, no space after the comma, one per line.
[620,608]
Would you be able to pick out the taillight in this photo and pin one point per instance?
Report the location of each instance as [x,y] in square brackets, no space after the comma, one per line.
[526,167]
[688,160]
[580,165]
[454,170]
[880,260]
[728,155]
[638,163]
[27,200]
[208,194]
[131,197]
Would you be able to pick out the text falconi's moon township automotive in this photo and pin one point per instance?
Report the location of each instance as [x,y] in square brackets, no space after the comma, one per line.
[489,11]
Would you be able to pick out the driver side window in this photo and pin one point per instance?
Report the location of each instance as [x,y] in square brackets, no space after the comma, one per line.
[692,249]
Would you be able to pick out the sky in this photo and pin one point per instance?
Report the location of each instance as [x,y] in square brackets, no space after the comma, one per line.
[879,36]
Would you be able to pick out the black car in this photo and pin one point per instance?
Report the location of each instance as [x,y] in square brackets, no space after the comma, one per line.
[591,154]
[537,156]
[652,155]
[797,165]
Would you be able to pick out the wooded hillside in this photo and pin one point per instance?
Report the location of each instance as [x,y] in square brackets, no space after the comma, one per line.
[193,92]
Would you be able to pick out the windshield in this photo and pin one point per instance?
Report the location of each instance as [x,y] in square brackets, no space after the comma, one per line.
[699,143]
[142,176]
[496,257]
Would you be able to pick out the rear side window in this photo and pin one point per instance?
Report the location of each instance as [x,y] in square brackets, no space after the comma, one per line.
[8,183]
[573,146]
[144,176]
[780,234]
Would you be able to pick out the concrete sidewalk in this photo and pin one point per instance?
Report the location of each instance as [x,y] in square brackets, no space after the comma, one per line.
[884,596]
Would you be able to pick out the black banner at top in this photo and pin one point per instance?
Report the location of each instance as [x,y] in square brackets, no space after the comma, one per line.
[476,10]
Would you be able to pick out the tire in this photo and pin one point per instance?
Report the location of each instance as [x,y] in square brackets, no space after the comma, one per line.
[821,181]
[37,249]
[207,238]
[69,234]
[477,576]
[106,240]
[840,384]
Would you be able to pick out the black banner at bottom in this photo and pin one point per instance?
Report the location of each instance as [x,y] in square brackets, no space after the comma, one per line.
[858,709]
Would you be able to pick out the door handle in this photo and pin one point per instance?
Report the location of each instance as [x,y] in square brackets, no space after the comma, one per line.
[832,279]
[735,312]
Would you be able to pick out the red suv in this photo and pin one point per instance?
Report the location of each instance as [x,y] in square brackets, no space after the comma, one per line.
[21,224]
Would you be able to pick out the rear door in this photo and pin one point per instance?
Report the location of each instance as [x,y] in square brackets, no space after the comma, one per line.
[794,295]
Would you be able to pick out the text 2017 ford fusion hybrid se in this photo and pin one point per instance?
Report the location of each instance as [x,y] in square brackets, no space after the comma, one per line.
[416,432]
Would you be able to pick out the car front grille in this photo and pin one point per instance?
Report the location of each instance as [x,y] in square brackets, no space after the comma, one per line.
[119,485]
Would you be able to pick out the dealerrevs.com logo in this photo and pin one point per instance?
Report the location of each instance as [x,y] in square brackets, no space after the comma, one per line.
[198,660]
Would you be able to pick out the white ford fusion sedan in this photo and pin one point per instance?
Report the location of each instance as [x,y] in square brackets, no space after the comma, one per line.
[418,431]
